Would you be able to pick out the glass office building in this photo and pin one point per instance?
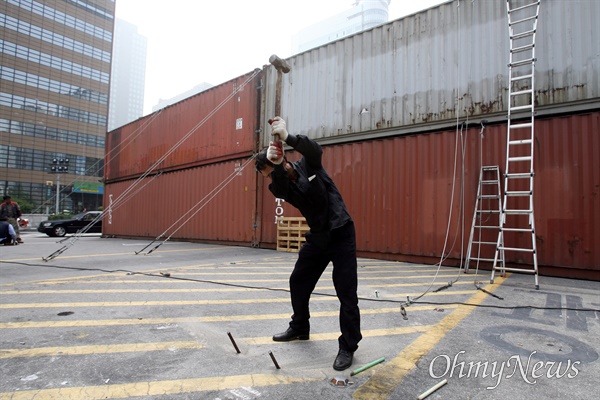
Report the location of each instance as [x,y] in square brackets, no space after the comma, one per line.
[55,63]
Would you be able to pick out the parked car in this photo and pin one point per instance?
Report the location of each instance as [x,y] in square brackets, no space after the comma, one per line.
[60,227]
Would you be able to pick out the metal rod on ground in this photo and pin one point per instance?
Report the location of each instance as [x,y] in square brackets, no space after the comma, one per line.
[433,389]
[369,365]
[274,360]
[233,342]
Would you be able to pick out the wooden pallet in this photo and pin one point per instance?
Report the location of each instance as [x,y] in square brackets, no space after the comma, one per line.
[290,233]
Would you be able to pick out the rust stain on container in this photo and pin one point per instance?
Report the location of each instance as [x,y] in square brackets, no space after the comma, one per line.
[134,148]
[165,205]
[399,191]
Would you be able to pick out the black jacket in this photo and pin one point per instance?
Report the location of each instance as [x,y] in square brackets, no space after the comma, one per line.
[314,192]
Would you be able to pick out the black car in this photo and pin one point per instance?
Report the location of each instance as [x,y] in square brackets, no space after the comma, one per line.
[60,227]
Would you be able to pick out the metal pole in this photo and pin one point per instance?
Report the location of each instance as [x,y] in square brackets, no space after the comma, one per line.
[57,192]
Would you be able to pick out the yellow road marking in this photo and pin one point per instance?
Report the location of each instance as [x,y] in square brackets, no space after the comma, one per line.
[335,335]
[97,349]
[114,254]
[157,388]
[145,347]
[201,302]
[236,281]
[410,284]
[383,382]
[224,318]
[207,290]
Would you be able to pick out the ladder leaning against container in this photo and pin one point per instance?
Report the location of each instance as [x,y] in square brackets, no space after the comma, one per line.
[517,222]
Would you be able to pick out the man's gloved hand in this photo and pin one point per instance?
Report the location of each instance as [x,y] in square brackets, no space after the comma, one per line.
[278,128]
[275,152]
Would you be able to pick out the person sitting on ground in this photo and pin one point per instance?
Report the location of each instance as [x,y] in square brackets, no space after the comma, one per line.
[11,210]
[8,236]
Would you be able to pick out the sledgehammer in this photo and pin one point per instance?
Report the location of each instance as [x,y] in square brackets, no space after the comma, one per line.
[282,67]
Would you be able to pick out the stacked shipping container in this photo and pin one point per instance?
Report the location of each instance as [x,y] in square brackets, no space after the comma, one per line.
[398,110]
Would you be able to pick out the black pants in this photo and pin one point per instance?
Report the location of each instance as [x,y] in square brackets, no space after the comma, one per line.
[311,263]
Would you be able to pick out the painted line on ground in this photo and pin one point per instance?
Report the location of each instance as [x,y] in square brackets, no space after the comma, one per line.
[97,349]
[112,254]
[208,290]
[334,335]
[157,388]
[332,297]
[383,382]
[185,320]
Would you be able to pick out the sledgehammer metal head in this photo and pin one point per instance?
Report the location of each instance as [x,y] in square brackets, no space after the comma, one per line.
[279,64]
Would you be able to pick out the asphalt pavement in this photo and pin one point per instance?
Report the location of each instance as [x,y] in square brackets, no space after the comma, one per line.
[194,321]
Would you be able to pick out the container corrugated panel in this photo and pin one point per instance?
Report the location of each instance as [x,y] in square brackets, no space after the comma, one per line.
[432,67]
[399,191]
[216,122]
[165,205]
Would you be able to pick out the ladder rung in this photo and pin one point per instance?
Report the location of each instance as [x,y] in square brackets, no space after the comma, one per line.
[521,77]
[481,259]
[523,48]
[485,227]
[523,7]
[521,175]
[517,212]
[522,20]
[522,141]
[490,243]
[489,182]
[490,168]
[517,230]
[519,108]
[488,211]
[522,62]
[522,34]
[519,193]
[522,92]
[530,271]
[517,159]
[521,126]
[516,249]
[489,196]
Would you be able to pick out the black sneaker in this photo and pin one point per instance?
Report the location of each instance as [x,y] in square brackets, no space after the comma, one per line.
[343,360]
[289,335]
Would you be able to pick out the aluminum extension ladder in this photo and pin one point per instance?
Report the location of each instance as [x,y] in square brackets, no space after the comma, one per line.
[486,219]
[517,222]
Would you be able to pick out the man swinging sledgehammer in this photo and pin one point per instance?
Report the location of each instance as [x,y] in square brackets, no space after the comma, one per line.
[306,185]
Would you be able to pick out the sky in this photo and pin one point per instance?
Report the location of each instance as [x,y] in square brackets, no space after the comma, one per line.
[196,41]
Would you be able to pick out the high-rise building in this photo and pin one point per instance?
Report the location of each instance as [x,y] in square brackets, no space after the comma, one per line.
[363,15]
[128,75]
[55,64]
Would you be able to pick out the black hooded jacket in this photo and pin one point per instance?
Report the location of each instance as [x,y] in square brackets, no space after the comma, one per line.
[313,193]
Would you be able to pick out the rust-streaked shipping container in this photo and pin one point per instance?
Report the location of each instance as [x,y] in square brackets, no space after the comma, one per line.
[424,71]
[388,105]
[215,202]
[220,123]
[399,191]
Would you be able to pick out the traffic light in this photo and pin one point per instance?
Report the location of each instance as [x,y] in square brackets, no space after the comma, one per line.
[60,165]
